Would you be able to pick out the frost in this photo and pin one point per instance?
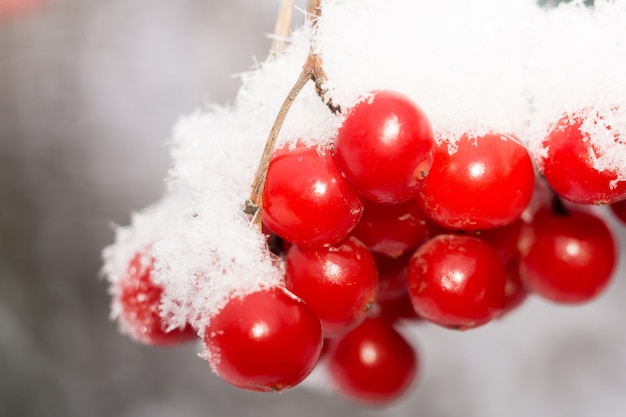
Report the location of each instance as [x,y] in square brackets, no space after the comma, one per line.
[472,66]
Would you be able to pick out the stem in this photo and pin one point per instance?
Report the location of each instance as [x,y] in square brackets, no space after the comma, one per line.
[311,70]
[255,202]
[281,28]
[314,8]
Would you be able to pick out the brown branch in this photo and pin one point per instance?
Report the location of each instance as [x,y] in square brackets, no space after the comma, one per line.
[311,70]
[281,28]
[255,202]
[314,8]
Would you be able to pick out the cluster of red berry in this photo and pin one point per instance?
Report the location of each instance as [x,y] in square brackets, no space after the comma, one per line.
[388,224]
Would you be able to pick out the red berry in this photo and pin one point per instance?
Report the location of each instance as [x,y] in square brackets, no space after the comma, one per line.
[268,340]
[373,363]
[392,275]
[487,182]
[392,229]
[456,281]
[306,200]
[514,290]
[502,239]
[400,308]
[619,210]
[567,257]
[338,283]
[569,159]
[140,298]
[384,147]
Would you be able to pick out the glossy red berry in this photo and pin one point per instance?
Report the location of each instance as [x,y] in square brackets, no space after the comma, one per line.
[569,158]
[139,300]
[373,363]
[567,257]
[338,283]
[486,182]
[502,239]
[456,281]
[384,147]
[392,229]
[268,340]
[306,200]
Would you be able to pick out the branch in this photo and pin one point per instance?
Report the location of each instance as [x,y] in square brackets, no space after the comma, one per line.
[281,28]
[311,70]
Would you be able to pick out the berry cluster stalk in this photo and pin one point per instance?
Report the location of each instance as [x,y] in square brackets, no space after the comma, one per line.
[311,70]
[281,28]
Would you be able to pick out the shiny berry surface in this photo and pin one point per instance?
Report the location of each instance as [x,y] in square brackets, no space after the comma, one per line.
[306,200]
[392,229]
[487,182]
[372,364]
[456,281]
[268,340]
[338,283]
[384,147]
[502,239]
[567,257]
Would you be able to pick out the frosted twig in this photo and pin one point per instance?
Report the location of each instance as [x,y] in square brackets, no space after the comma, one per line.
[281,28]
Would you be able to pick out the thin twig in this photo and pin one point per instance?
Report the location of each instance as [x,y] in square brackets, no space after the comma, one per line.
[311,70]
[255,202]
[281,28]
[314,8]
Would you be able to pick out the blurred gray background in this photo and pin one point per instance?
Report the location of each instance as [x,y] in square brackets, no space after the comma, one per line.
[89,90]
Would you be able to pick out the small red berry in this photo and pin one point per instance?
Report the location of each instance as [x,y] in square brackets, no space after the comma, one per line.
[392,275]
[400,308]
[392,229]
[140,298]
[373,363]
[567,256]
[502,239]
[268,340]
[338,283]
[569,159]
[306,200]
[487,182]
[384,147]
[456,281]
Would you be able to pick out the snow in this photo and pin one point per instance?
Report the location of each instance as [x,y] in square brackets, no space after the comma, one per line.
[474,67]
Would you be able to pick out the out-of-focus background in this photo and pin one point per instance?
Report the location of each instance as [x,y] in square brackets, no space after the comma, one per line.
[89,91]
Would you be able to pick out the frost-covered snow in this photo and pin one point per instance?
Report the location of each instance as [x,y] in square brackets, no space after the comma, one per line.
[473,66]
